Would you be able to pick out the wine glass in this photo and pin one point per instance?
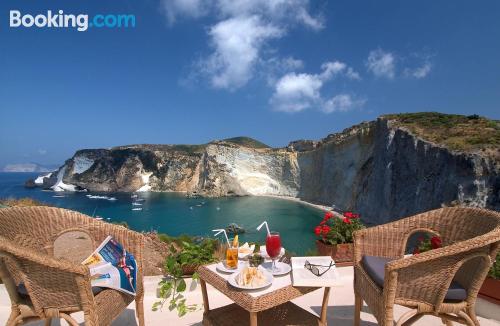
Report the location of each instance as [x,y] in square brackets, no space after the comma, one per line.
[273,248]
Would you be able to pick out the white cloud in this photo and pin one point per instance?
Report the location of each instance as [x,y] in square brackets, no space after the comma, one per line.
[351,74]
[290,63]
[315,23]
[275,10]
[331,69]
[242,29]
[297,92]
[188,8]
[419,72]
[276,66]
[381,63]
[236,42]
[341,103]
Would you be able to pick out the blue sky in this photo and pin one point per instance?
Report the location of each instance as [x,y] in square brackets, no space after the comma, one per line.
[277,70]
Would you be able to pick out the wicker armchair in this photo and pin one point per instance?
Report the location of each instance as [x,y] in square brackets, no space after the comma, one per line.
[426,282]
[43,287]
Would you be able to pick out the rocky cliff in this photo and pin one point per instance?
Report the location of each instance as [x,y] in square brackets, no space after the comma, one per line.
[382,169]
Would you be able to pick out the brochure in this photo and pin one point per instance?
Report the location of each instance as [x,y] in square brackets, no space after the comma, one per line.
[113,267]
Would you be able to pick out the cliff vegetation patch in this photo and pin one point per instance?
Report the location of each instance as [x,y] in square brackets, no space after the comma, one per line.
[457,132]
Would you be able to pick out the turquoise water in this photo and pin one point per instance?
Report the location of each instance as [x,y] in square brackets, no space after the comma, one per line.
[175,214]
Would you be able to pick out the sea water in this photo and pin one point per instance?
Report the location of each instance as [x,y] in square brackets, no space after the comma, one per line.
[175,214]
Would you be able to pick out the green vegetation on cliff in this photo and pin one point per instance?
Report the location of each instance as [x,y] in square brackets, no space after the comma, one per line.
[21,202]
[457,132]
[247,142]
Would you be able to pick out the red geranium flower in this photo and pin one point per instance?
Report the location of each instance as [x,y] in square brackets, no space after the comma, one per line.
[348,214]
[322,222]
[355,215]
[347,220]
[325,229]
[328,215]
[416,251]
[436,242]
[317,230]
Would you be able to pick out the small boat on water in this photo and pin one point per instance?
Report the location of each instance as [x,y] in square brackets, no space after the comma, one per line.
[134,196]
[136,204]
[59,196]
[101,197]
[137,209]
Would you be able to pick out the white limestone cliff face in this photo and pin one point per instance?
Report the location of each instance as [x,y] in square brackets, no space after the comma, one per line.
[247,171]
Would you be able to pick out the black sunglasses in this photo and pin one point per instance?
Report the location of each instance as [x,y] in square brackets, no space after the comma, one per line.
[314,268]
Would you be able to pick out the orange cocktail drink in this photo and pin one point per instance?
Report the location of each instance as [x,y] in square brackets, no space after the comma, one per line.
[232,254]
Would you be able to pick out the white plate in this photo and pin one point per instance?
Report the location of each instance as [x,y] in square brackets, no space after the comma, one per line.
[221,267]
[264,254]
[282,268]
[268,276]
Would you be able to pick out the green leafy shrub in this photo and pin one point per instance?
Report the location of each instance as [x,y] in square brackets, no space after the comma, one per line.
[21,202]
[191,253]
[172,288]
[196,254]
[495,269]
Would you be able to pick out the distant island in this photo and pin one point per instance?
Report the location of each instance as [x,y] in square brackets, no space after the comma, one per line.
[397,165]
[28,167]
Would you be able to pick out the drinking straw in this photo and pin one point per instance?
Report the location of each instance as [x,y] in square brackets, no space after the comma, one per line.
[219,231]
[267,227]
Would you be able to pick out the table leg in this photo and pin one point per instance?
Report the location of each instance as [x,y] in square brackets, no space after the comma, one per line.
[253,318]
[205,295]
[324,306]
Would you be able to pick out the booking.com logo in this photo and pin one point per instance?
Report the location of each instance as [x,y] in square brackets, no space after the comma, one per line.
[61,20]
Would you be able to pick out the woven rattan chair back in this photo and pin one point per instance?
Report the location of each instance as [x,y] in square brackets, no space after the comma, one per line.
[56,286]
[470,238]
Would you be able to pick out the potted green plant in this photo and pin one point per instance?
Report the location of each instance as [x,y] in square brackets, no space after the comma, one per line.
[193,255]
[334,236]
[178,265]
[490,290]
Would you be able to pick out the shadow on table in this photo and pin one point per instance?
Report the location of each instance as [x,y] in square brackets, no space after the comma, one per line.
[342,315]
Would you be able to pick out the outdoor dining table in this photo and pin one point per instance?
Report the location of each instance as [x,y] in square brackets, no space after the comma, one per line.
[268,306]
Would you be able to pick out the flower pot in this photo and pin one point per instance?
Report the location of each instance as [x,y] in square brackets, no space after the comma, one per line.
[490,290]
[341,253]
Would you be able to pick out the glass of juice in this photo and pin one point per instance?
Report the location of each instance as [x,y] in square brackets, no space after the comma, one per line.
[273,248]
[232,255]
